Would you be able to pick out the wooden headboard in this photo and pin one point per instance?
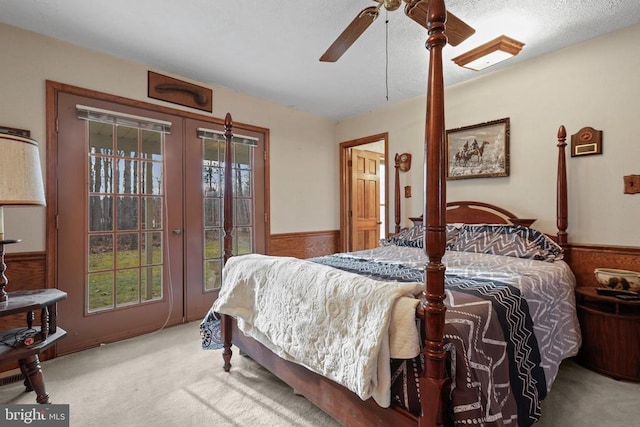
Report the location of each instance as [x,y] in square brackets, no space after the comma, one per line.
[470,212]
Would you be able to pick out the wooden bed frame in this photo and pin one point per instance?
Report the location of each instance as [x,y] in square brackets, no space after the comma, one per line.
[337,401]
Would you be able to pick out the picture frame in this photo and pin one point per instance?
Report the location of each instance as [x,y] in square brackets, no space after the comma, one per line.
[15,131]
[479,151]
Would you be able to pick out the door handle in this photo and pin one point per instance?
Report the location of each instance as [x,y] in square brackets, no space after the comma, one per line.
[177,231]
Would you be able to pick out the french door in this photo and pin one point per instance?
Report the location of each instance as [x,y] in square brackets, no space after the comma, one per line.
[139,217]
[204,176]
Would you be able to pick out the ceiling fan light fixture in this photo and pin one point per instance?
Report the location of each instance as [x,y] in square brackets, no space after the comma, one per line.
[490,53]
[391,5]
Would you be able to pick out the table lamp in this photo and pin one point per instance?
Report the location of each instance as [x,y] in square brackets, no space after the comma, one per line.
[20,185]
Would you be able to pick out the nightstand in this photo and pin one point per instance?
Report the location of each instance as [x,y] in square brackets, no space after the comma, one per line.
[610,334]
[25,344]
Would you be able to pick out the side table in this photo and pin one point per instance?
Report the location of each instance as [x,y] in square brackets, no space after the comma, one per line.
[610,334]
[25,344]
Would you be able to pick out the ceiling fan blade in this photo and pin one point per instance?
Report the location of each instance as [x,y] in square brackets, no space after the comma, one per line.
[456,30]
[350,34]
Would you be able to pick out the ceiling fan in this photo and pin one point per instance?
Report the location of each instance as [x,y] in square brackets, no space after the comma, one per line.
[456,31]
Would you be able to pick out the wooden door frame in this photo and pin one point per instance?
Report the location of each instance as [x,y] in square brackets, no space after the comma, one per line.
[52,90]
[345,189]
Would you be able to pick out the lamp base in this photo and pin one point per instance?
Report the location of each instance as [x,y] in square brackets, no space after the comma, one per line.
[3,267]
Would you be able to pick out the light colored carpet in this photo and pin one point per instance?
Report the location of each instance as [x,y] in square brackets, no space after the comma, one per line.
[166,379]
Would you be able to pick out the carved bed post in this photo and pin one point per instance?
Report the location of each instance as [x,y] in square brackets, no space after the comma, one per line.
[433,380]
[397,196]
[227,224]
[561,190]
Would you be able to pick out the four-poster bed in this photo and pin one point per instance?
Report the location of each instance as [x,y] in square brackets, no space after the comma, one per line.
[434,386]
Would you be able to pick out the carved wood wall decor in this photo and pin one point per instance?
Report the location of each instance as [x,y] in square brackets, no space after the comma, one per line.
[631,184]
[587,141]
[179,92]
[403,163]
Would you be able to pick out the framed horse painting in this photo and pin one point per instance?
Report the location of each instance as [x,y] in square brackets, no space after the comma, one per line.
[478,151]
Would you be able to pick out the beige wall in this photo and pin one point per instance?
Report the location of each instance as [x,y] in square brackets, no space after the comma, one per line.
[302,145]
[591,84]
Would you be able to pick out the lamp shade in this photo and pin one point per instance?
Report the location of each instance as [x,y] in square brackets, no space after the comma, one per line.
[20,172]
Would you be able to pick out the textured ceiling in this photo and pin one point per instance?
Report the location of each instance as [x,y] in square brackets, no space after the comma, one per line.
[270,49]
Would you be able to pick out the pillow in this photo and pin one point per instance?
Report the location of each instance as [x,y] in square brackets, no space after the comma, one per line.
[413,236]
[510,240]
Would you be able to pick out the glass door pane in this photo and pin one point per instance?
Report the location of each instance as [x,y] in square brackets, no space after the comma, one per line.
[213,204]
[125,199]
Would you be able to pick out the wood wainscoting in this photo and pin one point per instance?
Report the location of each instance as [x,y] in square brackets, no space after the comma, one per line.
[25,271]
[584,259]
[28,270]
[305,244]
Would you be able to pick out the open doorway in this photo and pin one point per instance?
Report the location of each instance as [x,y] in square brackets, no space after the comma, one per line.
[364,216]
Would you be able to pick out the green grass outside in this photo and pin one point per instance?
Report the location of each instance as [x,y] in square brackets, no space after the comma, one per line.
[126,284]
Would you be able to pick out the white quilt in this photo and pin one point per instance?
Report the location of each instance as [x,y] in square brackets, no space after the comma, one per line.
[286,304]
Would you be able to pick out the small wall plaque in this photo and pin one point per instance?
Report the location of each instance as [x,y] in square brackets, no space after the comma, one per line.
[632,184]
[179,92]
[587,141]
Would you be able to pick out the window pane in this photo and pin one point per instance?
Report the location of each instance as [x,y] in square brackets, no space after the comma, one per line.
[127,213]
[127,145]
[212,243]
[127,176]
[212,274]
[213,150]
[242,184]
[212,212]
[242,212]
[151,248]
[100,213]
[100,138]
[151,213]
[100,252]
[151,145]
[127,287]
[212,180]
[242,156]
[100,291]
[127,254]
[100,174]
[243,241]
[151,178]
[151,283]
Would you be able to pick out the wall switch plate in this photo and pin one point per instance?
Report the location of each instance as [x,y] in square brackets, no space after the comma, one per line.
[407,191]
[632,184]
